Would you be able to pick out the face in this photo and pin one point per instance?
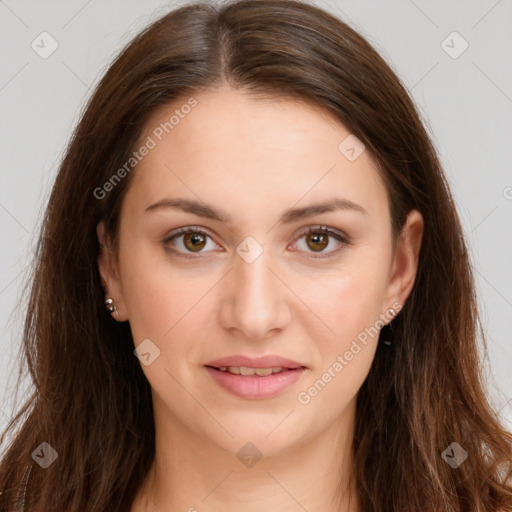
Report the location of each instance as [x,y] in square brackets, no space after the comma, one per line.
[221,254]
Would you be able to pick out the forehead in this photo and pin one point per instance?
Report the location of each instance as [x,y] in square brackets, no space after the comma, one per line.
[232,147]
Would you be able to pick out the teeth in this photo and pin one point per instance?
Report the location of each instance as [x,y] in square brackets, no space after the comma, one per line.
[263,372]
[244,370]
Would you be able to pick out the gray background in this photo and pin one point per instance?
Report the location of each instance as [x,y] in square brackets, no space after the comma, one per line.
[466,101]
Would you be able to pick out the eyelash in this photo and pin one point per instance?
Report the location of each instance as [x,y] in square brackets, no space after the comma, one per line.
[318,229]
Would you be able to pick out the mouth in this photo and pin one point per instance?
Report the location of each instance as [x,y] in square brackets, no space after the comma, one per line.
[255,383]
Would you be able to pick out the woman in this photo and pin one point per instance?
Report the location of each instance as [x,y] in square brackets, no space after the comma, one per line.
[252,288]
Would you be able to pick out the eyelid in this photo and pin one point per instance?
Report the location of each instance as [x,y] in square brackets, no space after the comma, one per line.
[186,229]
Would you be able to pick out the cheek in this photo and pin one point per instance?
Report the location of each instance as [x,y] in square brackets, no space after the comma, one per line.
[358,300]
[155,297]
[166,308]
[344,357]
[352,310]
[350,305]
[351,298]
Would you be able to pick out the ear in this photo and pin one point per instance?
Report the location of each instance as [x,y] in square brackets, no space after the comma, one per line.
[109,272]
[405,262]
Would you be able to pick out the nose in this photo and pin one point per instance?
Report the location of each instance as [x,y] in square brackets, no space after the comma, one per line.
[254,300]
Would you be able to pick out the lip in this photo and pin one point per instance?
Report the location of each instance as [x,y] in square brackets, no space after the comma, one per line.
[256,362]
[254,387]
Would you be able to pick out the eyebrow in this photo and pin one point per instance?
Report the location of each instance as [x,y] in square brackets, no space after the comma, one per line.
[291,215]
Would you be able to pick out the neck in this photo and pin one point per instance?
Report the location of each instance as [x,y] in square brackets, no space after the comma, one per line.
[195,474]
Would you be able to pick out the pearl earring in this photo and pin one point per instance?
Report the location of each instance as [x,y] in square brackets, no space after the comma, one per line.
[109,303]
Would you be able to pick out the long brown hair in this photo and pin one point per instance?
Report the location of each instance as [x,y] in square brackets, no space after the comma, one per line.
[91,401]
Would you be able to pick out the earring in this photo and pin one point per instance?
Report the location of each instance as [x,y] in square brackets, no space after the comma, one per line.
[109,303]
[387,336]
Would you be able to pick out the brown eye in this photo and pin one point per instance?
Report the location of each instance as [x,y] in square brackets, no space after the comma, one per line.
[317,241]
[188,241]
[194,241]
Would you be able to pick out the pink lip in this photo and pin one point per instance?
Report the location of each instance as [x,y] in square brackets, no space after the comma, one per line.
[253,386]
[255,362]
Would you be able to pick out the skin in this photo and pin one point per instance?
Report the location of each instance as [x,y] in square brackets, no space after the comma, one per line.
[254,158]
